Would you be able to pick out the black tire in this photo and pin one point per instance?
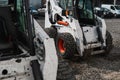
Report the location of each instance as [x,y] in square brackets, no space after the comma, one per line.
[109,43]
[52,32]
[65,72]
[115,15]
[67,48]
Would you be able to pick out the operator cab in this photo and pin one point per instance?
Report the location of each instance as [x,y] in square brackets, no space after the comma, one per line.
[84,11]
[80,9]
[14,30]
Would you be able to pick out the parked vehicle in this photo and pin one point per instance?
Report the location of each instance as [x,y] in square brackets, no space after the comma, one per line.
[37,8]
[103,12]
[115,9]
[76,29]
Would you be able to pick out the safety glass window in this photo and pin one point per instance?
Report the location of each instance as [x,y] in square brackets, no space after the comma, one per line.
[86,9]
[65,4]
[3,2]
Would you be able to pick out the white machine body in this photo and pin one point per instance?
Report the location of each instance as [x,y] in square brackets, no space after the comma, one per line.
[20,68]
[79,33]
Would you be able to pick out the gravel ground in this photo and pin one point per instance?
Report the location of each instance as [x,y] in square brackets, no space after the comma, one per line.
[99,67]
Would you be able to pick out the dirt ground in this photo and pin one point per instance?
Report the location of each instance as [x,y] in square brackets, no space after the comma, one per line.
[99,67]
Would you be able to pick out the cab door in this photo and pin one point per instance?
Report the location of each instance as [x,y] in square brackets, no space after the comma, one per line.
[24,24]
[21,14]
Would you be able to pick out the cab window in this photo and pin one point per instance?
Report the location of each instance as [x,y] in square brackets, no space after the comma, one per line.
[112,8]
[3,2]
[21,15]
[65,4]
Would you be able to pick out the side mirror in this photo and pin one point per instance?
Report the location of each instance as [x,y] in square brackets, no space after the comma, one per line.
[65,13]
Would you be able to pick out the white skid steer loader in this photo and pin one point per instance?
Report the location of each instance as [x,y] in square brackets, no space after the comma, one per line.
[26,51]
[76,29]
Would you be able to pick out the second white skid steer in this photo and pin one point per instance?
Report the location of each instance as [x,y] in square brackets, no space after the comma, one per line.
[76,29]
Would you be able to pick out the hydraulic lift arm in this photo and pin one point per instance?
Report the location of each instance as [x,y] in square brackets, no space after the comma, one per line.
[51,60]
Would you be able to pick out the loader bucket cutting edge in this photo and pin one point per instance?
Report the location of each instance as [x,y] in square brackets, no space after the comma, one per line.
[61,47]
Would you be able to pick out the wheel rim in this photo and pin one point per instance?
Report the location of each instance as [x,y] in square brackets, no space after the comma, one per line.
[61,46]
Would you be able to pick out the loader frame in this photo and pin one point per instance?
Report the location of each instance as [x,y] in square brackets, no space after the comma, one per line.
[87,35]
[38,60]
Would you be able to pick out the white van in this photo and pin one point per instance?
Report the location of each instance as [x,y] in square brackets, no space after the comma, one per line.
[115,9]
